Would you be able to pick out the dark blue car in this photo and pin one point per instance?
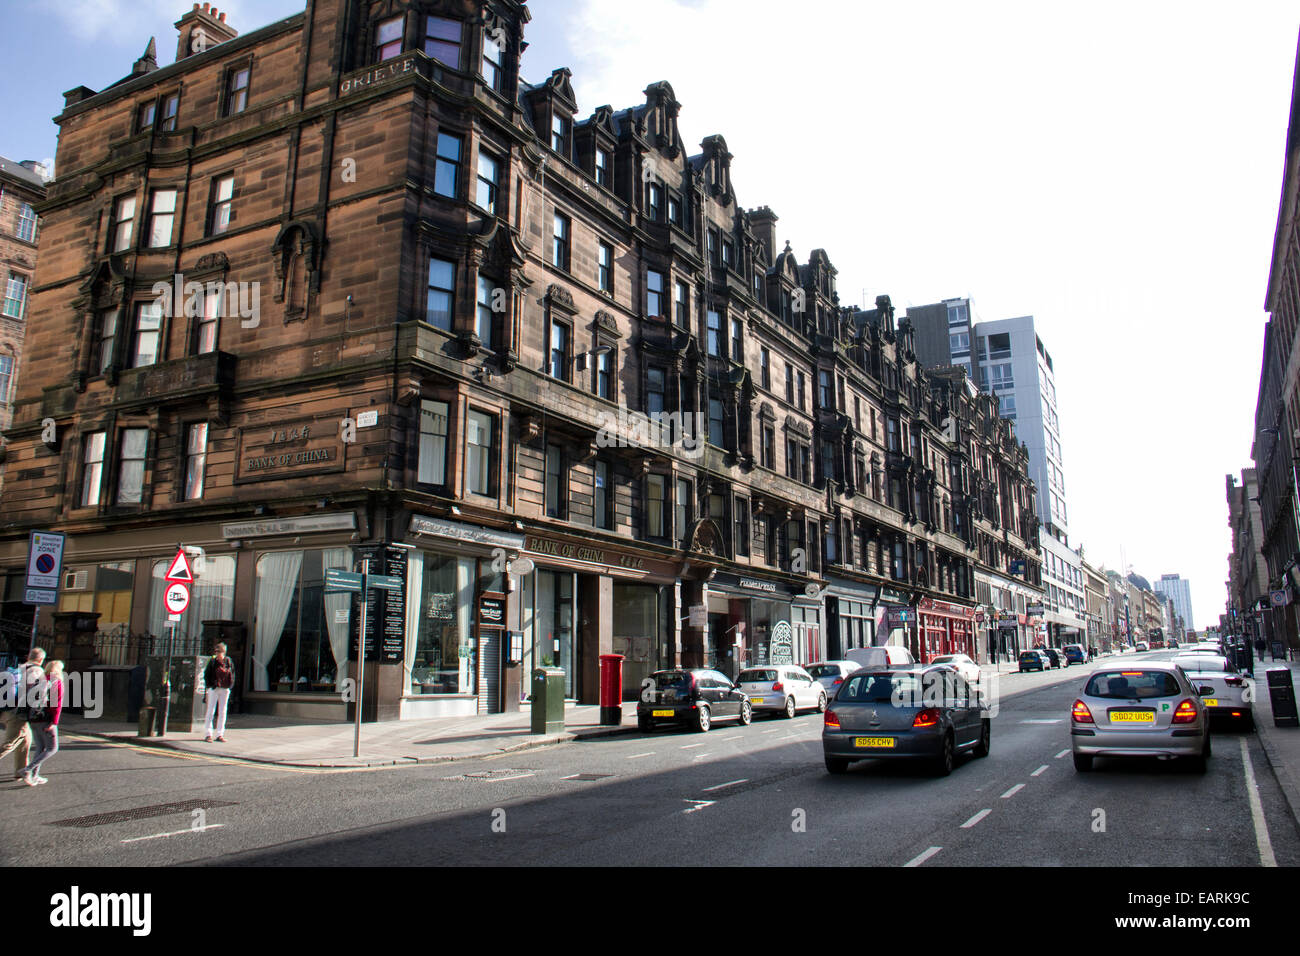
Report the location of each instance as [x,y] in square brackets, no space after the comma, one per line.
[1075,654]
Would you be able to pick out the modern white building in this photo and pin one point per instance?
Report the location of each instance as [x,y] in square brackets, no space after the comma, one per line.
[1012,362]
[1064,598]
[1179,590]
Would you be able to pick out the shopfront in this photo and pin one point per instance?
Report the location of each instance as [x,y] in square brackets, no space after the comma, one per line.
[753,621]
[582,599]
[893,627]
[945,628]
[850,616]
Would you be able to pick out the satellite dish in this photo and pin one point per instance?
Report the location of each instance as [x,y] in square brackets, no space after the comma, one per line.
[521,566]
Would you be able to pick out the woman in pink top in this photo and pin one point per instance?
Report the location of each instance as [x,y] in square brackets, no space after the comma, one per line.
[45,724]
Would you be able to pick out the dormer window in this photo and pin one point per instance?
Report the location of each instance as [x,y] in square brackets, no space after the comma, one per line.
[491,60]
[560,135]
[388,39]
[442,40]
[604,167]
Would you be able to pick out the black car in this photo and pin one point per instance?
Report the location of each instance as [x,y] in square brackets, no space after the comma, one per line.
[695,697]
[1033,661]
[1056,657]
[926,712]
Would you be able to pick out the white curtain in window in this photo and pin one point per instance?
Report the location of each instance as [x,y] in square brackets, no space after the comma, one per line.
[335,602]
[277,580]
[414,595]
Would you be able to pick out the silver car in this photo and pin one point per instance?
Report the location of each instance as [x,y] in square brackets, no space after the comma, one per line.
[831,674]
[1230,691]
[962,664]
[1139,710]
[783,688]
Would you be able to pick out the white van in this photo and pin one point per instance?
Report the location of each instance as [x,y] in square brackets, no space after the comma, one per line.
[891,655]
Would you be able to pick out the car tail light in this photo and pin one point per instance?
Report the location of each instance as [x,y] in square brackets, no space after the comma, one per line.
[927,717]
[837,682]
[831,720]
[1081,714]
[1233,681]
[1236,713]
[1186,712]
[777,687]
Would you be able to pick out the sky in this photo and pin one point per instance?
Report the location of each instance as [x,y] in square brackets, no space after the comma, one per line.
[1112,169]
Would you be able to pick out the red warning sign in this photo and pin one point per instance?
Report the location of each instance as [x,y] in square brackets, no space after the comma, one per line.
[180,569]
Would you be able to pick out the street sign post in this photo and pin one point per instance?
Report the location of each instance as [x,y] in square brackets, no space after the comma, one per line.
[180,569]
[338,580]
[386,582]
[177,597]
[44,567]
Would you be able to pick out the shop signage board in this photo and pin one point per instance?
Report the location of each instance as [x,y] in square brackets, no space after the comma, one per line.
[459,531]
[782,643]
[1279,598]
[1035,610]
[289,450]
[899,615]
[274,526]
[44,566]
[492,612]
[1008,620]
[698,615]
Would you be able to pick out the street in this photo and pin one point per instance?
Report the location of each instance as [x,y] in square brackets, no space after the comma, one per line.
[738,796]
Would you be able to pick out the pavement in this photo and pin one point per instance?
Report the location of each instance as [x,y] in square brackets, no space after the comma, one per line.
[328,744]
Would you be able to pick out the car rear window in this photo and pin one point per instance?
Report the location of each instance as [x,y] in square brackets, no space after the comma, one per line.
[1132,685]
[673,680]
[879,688]
[1204,663]
[1028,655]
[824,670]
[757,676]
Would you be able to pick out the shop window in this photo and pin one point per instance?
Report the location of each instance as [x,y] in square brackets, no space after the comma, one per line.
[106,588]
[432,466]
[300,640]
[212,598]
[440,657]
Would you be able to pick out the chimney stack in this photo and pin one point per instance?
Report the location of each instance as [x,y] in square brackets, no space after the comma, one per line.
[763,221]
[201,29]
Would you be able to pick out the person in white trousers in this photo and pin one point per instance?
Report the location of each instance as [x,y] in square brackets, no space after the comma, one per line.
[218,678]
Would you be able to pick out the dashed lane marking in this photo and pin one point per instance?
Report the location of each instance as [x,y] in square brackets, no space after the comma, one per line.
[691,746]
[1013,791]
[699,805]
[1039,770]
[918,860]
[1062,754]
[648,753]
[729,783]
[975,819]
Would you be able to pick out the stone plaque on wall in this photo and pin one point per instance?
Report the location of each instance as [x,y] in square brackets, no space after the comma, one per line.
[289,450]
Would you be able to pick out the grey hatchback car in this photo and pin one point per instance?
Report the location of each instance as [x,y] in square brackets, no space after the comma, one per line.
[916,712]
[1149,709]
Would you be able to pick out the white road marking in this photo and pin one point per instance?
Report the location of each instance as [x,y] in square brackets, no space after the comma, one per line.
[730,783]
[648,753]
[700,756]
[1039,770]
[518,776]
[774,730]
[788,737]
[732,737]
[691,746]
[699,805]
[975,819]
[1062,754]
[918,860]
[155,836]
[1262,841]
[1013,791]
[1043,720]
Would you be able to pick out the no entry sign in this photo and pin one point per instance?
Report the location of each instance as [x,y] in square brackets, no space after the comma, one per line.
[177,597]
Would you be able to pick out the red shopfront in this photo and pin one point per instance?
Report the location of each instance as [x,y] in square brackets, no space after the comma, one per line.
[945,629]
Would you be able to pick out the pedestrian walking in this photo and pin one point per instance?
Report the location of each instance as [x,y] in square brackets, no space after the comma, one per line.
[218,678]
[43,718]
[18,735]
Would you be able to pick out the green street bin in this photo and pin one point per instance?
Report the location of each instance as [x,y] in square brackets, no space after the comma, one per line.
[548,700]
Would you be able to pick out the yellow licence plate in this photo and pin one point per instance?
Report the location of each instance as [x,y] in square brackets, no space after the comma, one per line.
[1210,701]
[1132,717]
[756,700]
[662,713]
[873,741]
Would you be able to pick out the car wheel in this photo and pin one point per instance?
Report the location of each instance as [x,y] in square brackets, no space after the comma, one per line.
[746,714]
[644,724]
[836,765]
[821,703]
[1083,762]
[702,719]
[943,763]
[986,734]
[789,707]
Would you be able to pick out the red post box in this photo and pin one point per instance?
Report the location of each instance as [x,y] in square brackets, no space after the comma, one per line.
[611,690]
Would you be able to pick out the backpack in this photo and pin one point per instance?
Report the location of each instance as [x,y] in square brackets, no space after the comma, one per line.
[35,697]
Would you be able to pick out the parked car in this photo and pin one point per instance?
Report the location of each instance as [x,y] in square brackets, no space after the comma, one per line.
[1142,646]
[890,655]
[694,697]
[831,674]
[962,664]
[1054,656]
[1147,710]
[781,688]
[916,712]
[1229,697]
[1075,654]
[1033,661]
